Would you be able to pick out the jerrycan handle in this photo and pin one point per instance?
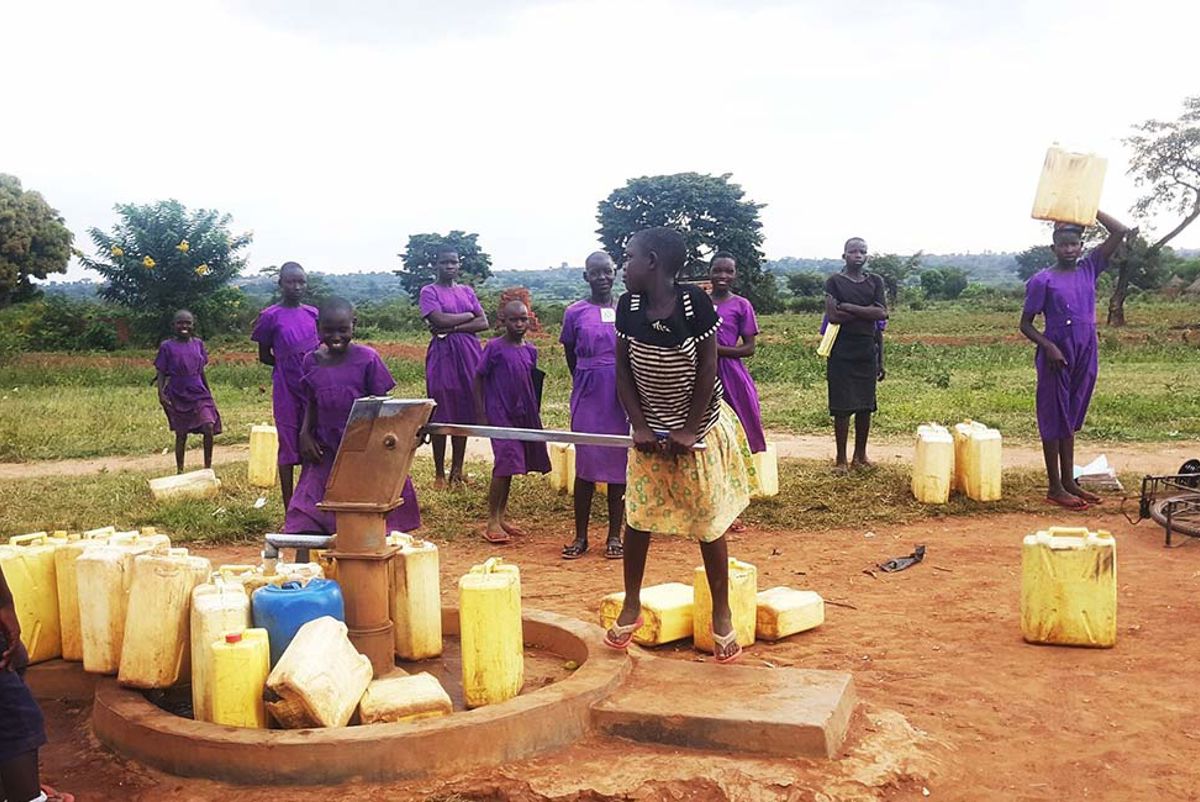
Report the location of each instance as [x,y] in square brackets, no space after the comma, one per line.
[234,569]
[1068,531]
[489,566]
[32,539]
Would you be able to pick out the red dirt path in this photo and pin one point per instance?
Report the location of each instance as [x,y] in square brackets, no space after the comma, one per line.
[953,700]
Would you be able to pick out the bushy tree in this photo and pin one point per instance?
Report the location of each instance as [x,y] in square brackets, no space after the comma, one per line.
[894,270]
[161,257]
[945,283]
[34,241]
[806,284]
[420,258]
[1033,259]
[1166,163]
[710,212]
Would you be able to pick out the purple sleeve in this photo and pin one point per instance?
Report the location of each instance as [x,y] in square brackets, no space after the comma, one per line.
[162,362]
[264,327]
[567,337]
[749,326]
[1094,263]
[379,378]
[203,354]
[533,348]
[1035,295]
[476,307]
[485,364]
[428,301]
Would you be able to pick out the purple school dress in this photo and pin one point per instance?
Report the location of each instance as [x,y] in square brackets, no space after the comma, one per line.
[291,333]
[738,320]
[509,400]
[1067,300]
[333,389]
[192,405]
[452,359]
[591,331]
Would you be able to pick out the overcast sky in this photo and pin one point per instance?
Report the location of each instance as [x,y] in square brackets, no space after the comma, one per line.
[334,130]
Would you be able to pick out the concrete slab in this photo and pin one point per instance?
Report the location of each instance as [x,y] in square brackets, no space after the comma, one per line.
[58,679]
[785,712]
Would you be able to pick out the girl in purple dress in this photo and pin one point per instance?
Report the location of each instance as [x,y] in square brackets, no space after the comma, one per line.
[183,388]
[286,332]
[454,316]
[333,377]
[589,337]
[505,396]
[738,321]
[1066,359]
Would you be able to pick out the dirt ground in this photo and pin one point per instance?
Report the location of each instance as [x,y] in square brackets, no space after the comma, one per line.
[1145,457]
[954,705]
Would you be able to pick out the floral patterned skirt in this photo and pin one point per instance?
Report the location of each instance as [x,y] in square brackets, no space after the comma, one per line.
[696,495]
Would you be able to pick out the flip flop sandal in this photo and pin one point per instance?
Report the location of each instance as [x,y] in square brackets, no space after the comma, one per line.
[721,643]
[737,527]
[57,796]
[574,551]
[500,539]
[619,637]
[613,550]
[1080,507]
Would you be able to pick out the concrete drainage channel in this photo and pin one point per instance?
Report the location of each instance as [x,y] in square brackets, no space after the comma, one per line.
[786,712]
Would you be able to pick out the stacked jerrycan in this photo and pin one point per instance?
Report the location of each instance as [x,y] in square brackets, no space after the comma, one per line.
[68,588]
[194,484]
[1069,187]
[1069,587]
[263,470]
[28,564]
[283,609]
[667,613]
[320,678]
[105,576]
[977,461]
[156,650]
[743,602]
[933,464]
[219,606]
[240,666]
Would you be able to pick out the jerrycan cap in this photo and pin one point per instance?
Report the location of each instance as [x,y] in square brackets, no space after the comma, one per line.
[233,637]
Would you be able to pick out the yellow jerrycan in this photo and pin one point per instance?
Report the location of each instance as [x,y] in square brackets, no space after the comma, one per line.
[416,597]
[743,602]
[156,651]
[933,464]
[104,574]
[241,661]
[218,607]
[194,484]
[263,470]
[978,470]
[1069,187]
[319,679]
[785,611]
[558,466]
[667,613]
[396,699]
[1069,587]
[493,647]
[68,588]
[28,564]
[766,469]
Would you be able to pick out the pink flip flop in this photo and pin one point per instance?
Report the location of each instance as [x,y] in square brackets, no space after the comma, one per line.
[619,637]
[723,642]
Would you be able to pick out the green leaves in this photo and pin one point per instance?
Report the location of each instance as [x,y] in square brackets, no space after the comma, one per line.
[420,257]
[34,241]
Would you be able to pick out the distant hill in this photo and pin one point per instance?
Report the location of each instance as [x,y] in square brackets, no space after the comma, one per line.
[989,268]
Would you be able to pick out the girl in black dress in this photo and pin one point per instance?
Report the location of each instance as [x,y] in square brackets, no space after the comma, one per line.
[855,300]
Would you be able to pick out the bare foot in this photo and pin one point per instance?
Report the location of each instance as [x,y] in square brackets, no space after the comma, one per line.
[1064,499]
[863,464]
[439,483]
[457,481]
[737,526]
[512,529]
[841,469]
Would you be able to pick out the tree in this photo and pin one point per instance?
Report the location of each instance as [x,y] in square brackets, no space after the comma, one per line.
[161,257]
[34,242]
[1166,162]
[894,270]
[711,214]
[420,258]
[806,284]
[1033,259]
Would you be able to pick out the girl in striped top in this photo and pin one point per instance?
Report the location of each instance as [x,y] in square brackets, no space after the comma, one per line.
[667,381]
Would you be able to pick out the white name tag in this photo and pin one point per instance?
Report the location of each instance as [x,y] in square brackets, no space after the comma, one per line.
[608,314]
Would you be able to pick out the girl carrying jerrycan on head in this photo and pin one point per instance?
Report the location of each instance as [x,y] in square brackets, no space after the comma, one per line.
[183,388]
[667,381]
[334,376]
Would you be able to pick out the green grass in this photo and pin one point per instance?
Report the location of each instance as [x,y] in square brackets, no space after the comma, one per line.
[944,363]
[811,497]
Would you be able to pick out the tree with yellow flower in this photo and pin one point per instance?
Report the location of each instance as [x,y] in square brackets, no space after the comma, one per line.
[162,256]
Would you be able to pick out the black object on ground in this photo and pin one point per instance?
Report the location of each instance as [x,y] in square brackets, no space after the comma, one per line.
[900,563]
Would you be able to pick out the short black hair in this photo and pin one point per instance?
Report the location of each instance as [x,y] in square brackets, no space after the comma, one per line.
[286,266]
[1066,228]
[846,244]
[445,249]
[667,243]
[334,305]
[724,255]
